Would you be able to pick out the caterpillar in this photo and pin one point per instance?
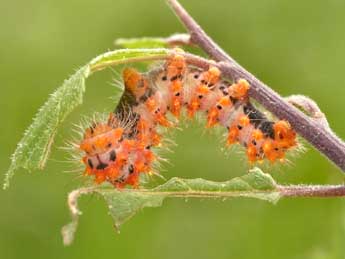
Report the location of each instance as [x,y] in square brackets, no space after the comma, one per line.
[120,149]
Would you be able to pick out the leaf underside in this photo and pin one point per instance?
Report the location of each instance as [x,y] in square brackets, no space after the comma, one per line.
[123,204]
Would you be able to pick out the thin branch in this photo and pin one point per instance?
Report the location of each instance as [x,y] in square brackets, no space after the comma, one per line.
[322,139]
[179,39]
[316,191]
[197,34]
[309,107]
[290,191]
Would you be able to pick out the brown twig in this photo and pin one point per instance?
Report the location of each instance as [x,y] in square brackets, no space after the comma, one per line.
[322,139]
[179,39]
[309,107]
[316,191]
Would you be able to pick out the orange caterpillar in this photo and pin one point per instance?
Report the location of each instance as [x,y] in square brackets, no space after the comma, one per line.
[119,155]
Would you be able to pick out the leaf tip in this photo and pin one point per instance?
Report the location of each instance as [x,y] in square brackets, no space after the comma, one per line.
[117,227]
[9,174]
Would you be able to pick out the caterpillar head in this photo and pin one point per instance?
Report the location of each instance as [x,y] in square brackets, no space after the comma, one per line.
[100,145]
[99,138]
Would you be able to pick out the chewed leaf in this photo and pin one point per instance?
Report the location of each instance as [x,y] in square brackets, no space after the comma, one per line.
[256,184]
[34,148]
[123,204]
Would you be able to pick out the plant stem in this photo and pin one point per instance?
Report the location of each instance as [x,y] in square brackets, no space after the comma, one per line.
[321,138]
[291,191]
[317,191]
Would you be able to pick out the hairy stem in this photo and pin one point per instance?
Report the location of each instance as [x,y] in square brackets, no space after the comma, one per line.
[293,191]
[322,139]
[319,191]
[179,39]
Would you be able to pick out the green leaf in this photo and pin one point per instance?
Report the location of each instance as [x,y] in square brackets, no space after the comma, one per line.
[122,56]
[124,204]
[34,148]
[155,42]
[145,42]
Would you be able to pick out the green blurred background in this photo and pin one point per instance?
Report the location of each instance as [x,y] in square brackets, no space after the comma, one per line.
[293,46]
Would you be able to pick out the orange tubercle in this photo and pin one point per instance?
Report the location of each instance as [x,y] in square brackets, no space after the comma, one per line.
[193,107]
[142,125]
[122,158]
[224,101]
[162,120]
[134,81]
[244,120]
[284,135]
[176,65]
[133,180]
[113,172]
[155,138]
[212,117]
[150,104]
[212,75]
[240,89]
[203,89]
[176,106]
[117,133]
[141,167]
[233,135]
[100,178]
[251,153]
[272,151]
[257,135]
[176,86]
